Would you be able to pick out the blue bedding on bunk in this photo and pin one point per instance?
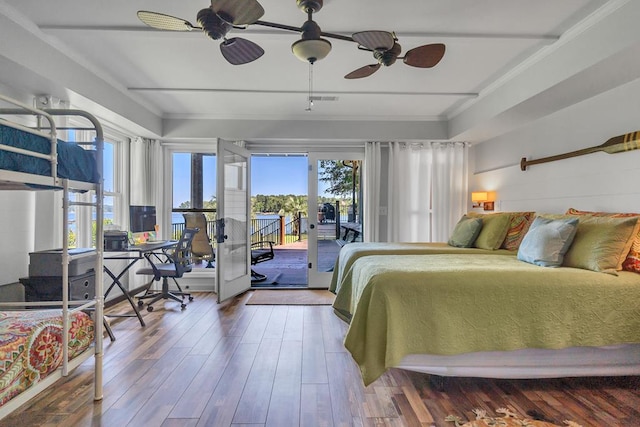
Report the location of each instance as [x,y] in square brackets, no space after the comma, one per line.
[74,162]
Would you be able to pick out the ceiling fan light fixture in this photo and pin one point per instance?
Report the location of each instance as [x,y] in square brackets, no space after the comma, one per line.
[311,50]
[311,47]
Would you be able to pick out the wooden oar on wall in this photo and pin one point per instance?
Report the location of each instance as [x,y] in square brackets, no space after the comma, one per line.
[617,144]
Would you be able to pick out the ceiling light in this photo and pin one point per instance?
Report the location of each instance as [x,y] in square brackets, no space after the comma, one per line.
[311,47]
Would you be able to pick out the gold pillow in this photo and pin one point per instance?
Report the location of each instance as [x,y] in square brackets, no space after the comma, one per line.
[632,262]
[601,243]
[494,229]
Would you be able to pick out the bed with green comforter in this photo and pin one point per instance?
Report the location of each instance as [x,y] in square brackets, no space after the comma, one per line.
[353,251]
[447,304]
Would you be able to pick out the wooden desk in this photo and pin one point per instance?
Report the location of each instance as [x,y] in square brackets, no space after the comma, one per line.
[133,254]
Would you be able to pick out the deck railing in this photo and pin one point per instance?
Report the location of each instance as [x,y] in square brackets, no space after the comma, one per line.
[276,230]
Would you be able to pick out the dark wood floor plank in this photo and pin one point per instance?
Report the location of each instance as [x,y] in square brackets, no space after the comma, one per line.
[294,325]
[277,322]
[157,408]
[314,365]
[333,332]
[255,328]
[347,396]
[315,406]
[180,422]
[254,402]
[223,402]
[194,400]
[125,408]
[284,407]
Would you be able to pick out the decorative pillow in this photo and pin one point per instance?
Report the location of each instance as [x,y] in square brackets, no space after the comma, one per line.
[632,261]
[601,243]
[547,241]
[494,230]
[465,232]
[519,223]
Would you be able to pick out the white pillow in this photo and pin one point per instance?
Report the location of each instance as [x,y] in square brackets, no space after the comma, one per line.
[547,241]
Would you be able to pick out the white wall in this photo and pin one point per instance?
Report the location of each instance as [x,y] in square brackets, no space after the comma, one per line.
[598,181]
[17,214]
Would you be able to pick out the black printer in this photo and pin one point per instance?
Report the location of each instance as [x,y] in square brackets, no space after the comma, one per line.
[115,240]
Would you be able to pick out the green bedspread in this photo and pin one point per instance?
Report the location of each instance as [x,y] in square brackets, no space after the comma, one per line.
[450,304]
[353,251]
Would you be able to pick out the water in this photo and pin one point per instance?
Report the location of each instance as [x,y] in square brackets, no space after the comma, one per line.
[176,218]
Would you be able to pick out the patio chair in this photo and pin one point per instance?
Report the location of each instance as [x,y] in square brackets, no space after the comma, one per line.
[260,252]
[201,247]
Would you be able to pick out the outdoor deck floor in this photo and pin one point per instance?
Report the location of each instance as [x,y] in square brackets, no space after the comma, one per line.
[289,267]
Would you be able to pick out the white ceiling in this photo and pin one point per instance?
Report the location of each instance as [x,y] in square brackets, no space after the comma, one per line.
[178,86]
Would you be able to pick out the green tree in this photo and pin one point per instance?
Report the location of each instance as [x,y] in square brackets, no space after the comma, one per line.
[342,177]
[291,207]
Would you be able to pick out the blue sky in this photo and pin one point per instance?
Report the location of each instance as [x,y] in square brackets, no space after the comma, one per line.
[269,175]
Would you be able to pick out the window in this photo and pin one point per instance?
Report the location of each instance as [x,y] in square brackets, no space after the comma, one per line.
[82,227]
[194,187]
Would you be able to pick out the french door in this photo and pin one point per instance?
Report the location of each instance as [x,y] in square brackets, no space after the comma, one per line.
[328,219]
[233,273]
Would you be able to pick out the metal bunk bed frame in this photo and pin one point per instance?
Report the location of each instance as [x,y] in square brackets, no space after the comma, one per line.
[15,180]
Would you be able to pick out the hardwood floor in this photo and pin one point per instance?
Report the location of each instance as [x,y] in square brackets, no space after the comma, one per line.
[247,365]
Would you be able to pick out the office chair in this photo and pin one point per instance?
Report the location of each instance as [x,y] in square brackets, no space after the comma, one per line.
[201,246]
[260,252]
[177,263]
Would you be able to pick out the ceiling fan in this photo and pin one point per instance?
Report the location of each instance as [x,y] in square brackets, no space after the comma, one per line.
[386,51]
[217,20]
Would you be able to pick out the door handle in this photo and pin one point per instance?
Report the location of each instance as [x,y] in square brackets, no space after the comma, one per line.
[220,236]
[312,226]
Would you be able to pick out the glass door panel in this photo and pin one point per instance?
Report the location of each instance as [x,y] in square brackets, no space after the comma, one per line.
[232,231]
[335,219]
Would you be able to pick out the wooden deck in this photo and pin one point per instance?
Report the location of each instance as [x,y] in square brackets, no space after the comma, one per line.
[289,267]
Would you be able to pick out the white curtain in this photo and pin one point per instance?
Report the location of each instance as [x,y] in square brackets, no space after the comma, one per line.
[147,175]
[427,190]
[372,184]
[449,189]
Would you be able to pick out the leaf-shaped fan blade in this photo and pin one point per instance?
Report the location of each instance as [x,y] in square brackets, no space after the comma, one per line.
[374,40]
[164,22]
[365,71]
[426,56]
[238,12]
[240,51]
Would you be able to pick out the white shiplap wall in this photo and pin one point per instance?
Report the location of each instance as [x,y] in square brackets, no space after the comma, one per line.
[598,181]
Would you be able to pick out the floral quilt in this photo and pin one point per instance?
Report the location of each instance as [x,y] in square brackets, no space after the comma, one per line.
[31,346]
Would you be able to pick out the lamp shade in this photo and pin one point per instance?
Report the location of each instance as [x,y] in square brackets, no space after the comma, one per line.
[479,196]
[483,196]
[311,50]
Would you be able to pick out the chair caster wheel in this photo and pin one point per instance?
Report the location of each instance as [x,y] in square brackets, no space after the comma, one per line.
[140,303]
[190,298]
[183,306]
[149,308]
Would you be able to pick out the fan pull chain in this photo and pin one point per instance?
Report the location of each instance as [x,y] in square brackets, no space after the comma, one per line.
[310,101]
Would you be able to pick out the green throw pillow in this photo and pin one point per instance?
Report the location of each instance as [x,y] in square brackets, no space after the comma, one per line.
[601,243]
[465,232]
[547,241]
[494,230]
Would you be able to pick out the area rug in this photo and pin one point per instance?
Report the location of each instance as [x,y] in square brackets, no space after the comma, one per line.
[291,297]
[509,419]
